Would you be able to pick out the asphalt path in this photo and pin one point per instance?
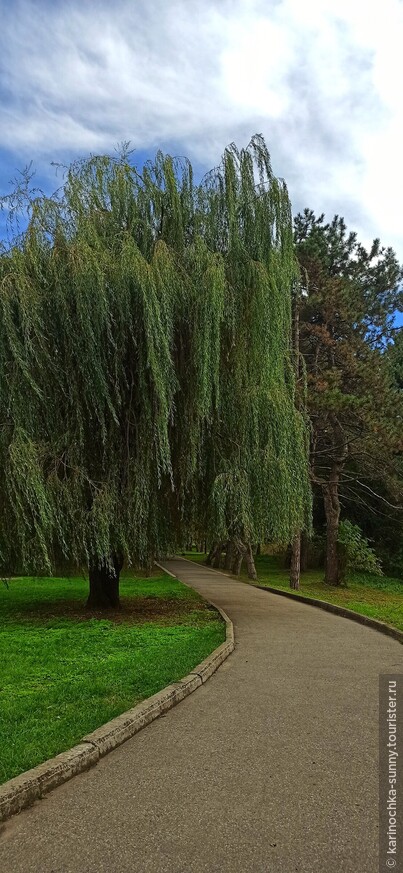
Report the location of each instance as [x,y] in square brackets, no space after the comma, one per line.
[270,767]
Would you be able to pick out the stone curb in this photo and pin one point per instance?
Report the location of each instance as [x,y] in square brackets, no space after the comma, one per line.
[366,620]
[210,664]
[33,784]
[23,790]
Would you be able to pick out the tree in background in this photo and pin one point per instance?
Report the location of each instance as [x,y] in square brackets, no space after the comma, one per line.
[346,316]
[254,485]
[145,368]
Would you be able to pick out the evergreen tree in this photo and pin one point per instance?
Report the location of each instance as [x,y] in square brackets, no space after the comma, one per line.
[346,316]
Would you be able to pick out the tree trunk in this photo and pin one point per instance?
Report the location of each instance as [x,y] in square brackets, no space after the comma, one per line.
[286,558]
[229,556]
[104,584]
[330,490]
[295,567]
[209,557]
[332,510]
[216,559]
[237,564]
[250,562]
[304,552]
[148,567]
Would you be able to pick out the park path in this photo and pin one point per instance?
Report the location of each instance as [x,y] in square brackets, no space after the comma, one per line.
[271,767]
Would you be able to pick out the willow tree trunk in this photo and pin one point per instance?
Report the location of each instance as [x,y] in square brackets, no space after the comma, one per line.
[209,557]
[295,566]
[229,556]
[237,564]
[332,511]
[250,562]
[104,584]
[216,559]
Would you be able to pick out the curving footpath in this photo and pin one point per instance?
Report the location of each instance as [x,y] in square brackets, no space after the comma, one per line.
[271,766]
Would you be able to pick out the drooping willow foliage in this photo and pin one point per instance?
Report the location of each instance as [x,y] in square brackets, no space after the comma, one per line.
[146,381]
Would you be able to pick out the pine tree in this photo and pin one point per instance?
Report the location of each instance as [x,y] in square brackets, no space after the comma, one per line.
[355,412]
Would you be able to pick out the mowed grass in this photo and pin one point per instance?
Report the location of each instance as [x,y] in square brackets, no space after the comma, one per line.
[379,597]
[65,671]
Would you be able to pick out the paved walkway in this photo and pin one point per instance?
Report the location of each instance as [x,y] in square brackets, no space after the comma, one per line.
[271,767]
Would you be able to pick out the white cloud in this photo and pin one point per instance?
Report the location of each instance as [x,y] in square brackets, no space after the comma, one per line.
[320,80]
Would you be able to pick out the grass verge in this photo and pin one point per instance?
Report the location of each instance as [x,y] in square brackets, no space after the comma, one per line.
[379,597]
[65,671]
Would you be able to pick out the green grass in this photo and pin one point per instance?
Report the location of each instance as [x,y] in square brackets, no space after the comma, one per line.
[64,672]
[379,597]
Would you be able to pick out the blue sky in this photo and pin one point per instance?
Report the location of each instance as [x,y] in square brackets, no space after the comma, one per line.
[321,80]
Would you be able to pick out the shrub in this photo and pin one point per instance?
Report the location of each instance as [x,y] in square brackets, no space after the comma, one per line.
[355,552]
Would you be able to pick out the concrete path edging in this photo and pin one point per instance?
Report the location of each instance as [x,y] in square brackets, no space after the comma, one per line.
[359,617]
[25,789]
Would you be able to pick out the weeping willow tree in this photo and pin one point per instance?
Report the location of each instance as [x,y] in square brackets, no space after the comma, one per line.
[146,383]
[253,485]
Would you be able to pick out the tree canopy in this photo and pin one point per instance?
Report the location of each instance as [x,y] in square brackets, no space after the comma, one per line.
[146,377]
[346,318]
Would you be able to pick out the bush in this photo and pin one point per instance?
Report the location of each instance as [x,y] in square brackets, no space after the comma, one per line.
[355,553]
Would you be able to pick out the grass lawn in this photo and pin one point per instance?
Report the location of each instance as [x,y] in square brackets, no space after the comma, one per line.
[65,671]
[379,597]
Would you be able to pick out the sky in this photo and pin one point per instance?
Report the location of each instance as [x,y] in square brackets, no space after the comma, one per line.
[321,80]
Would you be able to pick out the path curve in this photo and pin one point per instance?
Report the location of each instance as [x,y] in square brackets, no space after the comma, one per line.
[271,766]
